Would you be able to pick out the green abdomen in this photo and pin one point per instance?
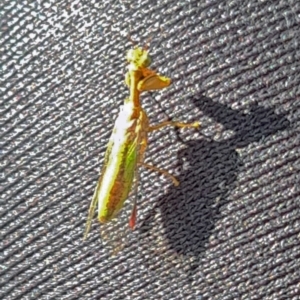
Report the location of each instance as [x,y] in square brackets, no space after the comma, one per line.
[122,155]
[117,180]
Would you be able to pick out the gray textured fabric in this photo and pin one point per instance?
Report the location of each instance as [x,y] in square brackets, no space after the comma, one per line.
[231,229]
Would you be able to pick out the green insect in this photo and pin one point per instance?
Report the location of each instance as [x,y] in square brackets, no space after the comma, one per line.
[128,143]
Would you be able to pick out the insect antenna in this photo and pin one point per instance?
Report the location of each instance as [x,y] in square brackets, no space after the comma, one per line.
[134,43]
[147,44]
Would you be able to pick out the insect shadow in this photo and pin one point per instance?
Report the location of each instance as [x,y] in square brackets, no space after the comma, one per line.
[190,211]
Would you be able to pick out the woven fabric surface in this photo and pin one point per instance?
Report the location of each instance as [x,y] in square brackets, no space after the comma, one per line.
[231,229]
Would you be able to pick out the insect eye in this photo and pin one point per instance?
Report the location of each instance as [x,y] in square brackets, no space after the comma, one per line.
[130,55]
[145,60]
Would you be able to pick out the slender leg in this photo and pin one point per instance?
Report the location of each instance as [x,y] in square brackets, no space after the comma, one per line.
[164,172]
[161,125]
[176,124]
[91,212]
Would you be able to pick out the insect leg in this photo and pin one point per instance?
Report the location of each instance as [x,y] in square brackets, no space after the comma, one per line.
[91,213]
[176,124]
[164,172]
[152,81]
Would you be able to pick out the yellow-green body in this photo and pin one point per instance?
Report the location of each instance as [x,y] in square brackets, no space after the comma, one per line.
[128,141]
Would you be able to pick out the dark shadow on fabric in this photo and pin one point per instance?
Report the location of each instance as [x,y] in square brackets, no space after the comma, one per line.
[190,211]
